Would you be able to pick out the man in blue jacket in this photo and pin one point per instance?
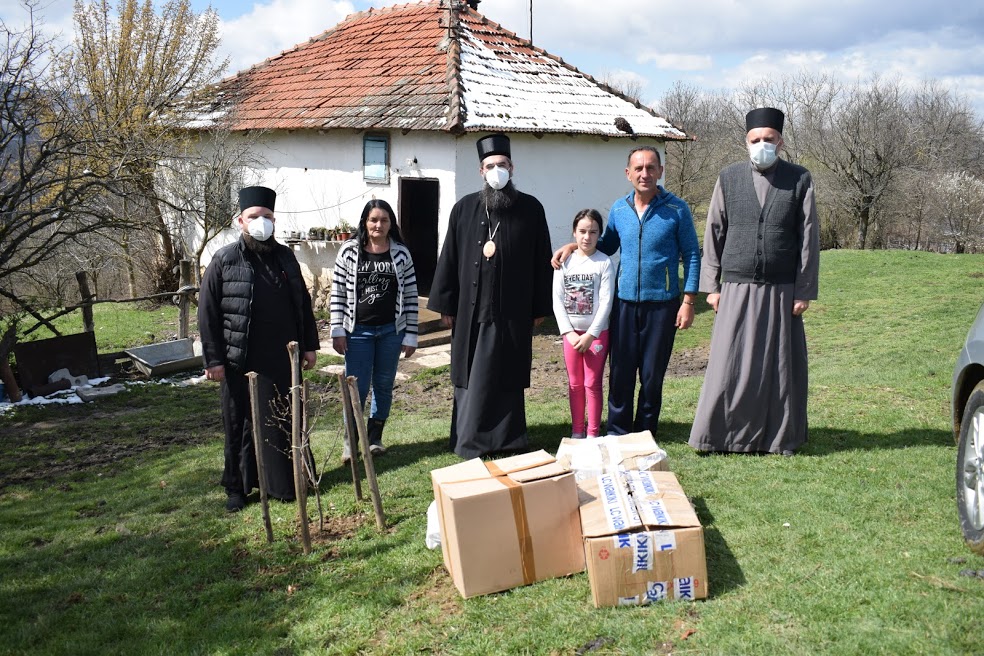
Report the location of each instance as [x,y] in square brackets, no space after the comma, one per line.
[653,229]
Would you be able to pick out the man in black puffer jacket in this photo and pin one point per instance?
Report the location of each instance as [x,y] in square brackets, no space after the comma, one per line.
[253,302]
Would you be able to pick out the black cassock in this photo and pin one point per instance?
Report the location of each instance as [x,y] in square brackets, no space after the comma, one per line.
[494,301]
[271,328]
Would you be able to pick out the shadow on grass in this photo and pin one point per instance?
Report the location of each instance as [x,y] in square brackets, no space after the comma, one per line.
[142,592]
[723,571]
[398,455]
[825,441]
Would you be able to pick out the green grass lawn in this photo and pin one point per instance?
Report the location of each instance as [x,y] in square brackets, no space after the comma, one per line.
[851,547]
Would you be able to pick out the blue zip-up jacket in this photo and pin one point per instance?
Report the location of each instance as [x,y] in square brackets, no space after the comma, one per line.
[651,247]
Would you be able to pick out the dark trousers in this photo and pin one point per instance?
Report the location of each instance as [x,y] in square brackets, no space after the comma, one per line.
[239,473]
[641,337]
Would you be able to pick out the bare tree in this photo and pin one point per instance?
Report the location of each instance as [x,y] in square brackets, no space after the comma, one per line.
[198,182]
[630,87]
[50,198]
[862,136]
[692,166]
[958,197]
[134,66]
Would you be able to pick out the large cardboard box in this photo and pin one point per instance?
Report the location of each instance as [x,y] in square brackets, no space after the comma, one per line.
[642,539]
[592,456]
[508,522]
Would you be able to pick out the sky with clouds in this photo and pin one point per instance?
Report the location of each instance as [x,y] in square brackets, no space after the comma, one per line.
[713,44]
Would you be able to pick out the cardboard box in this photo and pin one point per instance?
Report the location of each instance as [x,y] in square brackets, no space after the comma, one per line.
[592,456]
[508,522]
[642,539]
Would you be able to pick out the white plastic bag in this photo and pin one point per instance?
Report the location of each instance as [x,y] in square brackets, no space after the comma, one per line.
[433,537]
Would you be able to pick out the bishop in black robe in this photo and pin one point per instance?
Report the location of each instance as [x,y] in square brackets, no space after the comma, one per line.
[494,301]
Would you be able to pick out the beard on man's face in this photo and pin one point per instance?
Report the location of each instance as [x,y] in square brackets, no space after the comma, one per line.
[258,246]
[499,199]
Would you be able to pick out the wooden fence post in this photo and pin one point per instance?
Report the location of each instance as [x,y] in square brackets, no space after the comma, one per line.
[88,324]
[184,299]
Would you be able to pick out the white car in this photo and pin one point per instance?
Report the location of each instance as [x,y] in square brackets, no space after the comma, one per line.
[968,426]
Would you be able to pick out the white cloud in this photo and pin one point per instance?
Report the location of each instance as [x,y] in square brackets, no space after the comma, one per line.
[622,79]
[54,15]
[715,43]
[720,43]
[273,27]
[677,61]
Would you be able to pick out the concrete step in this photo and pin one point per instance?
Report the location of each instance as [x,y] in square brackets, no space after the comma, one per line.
[427,321]
[433,338]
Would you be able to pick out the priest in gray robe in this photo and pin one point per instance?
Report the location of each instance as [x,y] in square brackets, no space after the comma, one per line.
[759,269]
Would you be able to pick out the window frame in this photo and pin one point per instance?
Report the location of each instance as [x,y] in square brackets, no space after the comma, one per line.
[375,138]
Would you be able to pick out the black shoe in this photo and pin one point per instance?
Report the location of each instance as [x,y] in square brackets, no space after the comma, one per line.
[375,429]
[235,502]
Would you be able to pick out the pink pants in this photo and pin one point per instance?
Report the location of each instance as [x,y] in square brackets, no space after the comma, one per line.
[585,373]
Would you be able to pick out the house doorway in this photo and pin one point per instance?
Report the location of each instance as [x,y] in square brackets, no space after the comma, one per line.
[418,208]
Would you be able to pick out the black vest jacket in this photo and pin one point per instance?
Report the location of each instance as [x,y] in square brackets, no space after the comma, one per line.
[237,297]
[762,244]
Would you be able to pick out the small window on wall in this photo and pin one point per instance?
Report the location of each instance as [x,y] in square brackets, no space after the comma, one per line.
[375,158]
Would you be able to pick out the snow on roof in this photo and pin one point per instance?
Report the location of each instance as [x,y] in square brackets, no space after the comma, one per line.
[510,85]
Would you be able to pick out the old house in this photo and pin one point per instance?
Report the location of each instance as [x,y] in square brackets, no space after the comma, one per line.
[389,104]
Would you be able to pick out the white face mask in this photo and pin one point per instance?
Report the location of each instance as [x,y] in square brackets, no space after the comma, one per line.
[497,177]
[762,154]
[260,228]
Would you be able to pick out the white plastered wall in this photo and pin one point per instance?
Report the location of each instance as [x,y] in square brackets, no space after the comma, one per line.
[319,181]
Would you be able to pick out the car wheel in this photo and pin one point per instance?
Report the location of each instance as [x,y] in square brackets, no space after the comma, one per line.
[970,471]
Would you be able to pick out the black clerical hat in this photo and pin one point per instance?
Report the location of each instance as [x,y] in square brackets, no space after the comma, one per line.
[764,117]
[494,144]
[257,197]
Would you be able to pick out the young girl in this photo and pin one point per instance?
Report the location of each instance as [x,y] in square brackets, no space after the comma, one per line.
[583,290]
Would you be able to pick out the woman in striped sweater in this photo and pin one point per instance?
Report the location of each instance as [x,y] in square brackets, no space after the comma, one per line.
[374,312]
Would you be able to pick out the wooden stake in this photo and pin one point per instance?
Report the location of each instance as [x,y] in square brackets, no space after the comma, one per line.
[254,402]
[310,470]
[360,424]
[350,435]
[300,487]
[184,300]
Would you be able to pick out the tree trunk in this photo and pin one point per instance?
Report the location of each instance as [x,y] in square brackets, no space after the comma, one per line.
[166,279]
[864,218]
[131,273]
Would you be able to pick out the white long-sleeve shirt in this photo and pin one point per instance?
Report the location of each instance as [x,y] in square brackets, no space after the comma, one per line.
[583,289]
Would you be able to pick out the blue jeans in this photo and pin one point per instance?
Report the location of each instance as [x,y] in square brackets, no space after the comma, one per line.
[372,356]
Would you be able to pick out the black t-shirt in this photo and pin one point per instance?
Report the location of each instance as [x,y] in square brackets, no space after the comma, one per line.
[375,289]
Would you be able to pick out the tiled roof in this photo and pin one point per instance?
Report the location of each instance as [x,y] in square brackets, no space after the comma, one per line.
[433,65]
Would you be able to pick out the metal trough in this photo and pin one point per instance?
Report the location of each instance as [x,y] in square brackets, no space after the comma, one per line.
[167,357]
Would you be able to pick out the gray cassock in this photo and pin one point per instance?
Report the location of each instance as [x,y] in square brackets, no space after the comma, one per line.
[755,389]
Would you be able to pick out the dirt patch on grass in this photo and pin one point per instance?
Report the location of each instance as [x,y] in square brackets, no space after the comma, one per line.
[438,592]
[336,528]
[430,390]
[62,444]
